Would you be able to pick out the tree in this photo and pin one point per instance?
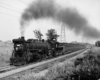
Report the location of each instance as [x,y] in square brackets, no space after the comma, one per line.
[52,34]
[38,34]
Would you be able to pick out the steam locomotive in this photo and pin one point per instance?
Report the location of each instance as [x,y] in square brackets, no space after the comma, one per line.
[32,50]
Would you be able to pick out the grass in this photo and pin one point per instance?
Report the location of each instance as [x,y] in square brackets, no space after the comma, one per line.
[81,68]
[88,68]
[5,53]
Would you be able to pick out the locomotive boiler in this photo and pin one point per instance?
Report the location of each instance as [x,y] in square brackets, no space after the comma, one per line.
[32,50]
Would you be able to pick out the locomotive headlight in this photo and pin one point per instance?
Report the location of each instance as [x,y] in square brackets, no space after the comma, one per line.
[18,45]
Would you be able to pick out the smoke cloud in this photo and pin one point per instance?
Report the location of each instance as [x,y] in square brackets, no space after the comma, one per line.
[68,16]
[78,23]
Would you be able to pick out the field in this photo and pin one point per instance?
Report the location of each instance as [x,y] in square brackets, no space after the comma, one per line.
[5,53]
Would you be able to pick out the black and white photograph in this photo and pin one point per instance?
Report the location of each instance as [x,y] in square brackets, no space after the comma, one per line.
[49,39]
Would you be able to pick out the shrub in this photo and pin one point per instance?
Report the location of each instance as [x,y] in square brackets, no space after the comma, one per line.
[88,68]
[84,68]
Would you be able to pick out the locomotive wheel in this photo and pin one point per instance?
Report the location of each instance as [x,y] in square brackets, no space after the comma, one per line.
[28,57]
[50,53]
[23,62]
[36,56]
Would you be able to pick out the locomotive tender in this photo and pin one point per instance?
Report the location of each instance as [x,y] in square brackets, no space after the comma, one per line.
[32,50]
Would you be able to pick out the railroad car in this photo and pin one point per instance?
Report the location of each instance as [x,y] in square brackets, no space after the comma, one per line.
[97,43]
[71,47]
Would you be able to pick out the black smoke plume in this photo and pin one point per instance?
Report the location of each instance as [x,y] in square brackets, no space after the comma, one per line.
[68,16]
[78,23]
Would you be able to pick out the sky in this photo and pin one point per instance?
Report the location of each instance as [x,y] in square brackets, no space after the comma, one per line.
[11,11]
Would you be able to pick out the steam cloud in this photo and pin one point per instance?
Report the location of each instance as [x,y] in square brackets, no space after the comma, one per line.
[49,9]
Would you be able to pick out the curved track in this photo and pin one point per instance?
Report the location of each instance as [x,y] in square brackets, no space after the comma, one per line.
[12,71]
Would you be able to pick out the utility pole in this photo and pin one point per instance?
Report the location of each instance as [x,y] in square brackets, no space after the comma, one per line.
[63,34]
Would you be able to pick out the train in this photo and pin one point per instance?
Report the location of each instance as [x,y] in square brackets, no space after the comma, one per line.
[33,50]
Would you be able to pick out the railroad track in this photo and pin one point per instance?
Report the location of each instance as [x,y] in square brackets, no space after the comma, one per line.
[7,68]
[11,71]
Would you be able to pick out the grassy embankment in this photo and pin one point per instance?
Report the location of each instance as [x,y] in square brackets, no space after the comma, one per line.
[84,67]
[5,53]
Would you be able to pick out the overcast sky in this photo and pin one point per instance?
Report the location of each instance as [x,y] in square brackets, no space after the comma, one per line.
[11,10]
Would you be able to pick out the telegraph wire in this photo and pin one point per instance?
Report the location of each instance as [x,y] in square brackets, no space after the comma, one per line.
[10,15]
[8,5]
[10,9]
